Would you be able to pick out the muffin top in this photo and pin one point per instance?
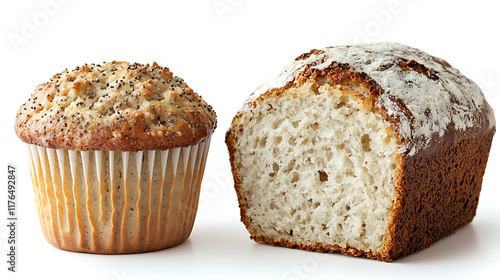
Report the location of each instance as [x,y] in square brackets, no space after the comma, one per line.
[115,106]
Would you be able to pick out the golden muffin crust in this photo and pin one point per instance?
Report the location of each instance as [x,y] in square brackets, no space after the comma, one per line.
[116,106]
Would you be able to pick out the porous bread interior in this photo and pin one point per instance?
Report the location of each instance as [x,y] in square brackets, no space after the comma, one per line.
[317,167]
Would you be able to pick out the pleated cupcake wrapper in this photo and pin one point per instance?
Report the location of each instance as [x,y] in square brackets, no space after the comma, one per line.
[117,202]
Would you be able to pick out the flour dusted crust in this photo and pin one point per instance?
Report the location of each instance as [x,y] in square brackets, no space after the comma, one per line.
[115,106]
[443,128]
[422,94]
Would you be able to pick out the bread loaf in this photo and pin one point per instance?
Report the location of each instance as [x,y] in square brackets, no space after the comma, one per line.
[375,150]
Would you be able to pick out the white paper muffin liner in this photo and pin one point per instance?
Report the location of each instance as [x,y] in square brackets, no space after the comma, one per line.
[117,202]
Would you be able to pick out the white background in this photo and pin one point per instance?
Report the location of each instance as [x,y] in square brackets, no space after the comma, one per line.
[224,49]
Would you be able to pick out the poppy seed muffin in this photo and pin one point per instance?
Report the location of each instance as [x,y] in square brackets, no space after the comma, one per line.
[116,106]
[117,153]
[374,150]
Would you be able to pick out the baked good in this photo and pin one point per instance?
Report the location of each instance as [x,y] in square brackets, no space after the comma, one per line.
[117,154]
[375,150]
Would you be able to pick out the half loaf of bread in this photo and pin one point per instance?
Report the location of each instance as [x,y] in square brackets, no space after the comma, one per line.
[374,150]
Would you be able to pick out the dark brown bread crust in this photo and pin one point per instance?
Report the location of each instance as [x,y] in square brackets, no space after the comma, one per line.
[438,188]
[319,247]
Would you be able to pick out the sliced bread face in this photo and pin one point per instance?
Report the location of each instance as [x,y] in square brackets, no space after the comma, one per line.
[317,167]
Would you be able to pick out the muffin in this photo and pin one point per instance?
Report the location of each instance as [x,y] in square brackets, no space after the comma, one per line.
[374,150]
[117,153]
